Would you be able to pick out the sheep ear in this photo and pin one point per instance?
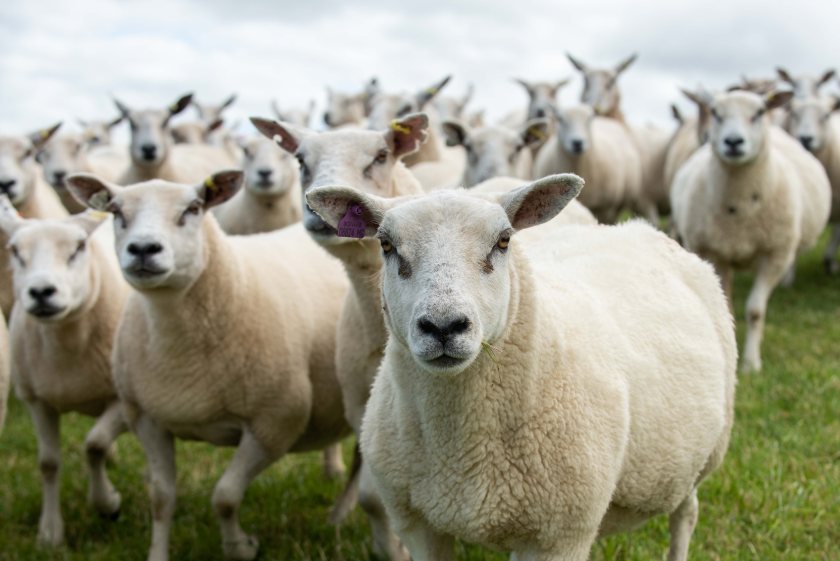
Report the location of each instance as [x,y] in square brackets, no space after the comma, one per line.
[426,95]
[558,85]
[835,104]
[227,103]
[701,98]
[89,220]
[116,121]
[675,111]
[220,187]
[525,85]
[466,98]
[277,113]
[40,137]
[827,75]
[286,135]
[360,214]
[576,63]
[10,219]
[625,64]
[182,103]
[784,75]
[456,133]
[91,191]
[541,200]
[122,108]
[534,131]
[777,99]
[215,125]
[407,134]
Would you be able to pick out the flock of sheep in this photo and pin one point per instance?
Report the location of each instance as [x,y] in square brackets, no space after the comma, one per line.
[516,374]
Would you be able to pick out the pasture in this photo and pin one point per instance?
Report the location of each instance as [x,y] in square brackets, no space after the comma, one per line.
[775,497]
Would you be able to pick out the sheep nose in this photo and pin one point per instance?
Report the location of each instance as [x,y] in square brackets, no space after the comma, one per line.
[149,151]
[442,331]
[6,186]
[58,177]
[577,146]
[327,119]
[41,294]
[733,141]
[807,141]
[539,113]
[264,173]
[144,250]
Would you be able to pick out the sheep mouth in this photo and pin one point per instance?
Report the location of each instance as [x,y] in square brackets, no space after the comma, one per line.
[146,272]
[734,153]
[446,361]
[45,311]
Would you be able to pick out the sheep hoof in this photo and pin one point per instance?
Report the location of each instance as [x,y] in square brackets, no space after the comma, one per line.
[832,267]
[750,367]
[245,550]
[111,516]
[51,537]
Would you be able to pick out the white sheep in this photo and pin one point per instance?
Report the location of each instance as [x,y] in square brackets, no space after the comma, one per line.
[5,366]
[209,112]
[542,97]
[98,133]
[299,117]
[815,123]
[601,150]
[23,182]
[496,150]
[691,133]
[451,107]
[805,85]
[230,340]
[524,403]
[271,198]
[154,157]
[346,110]
[601,92]
[69,297]
[751,196]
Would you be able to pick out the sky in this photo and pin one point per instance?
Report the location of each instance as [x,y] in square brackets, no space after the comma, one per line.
[60,60]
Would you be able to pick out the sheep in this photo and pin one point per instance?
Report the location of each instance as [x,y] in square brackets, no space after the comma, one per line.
[805,86]
[210,349]
[299,117]
[601,150]
[542,96]
[495,150]
[271,197]
[816,125]
[152,153]
[4,370]
[602,93]
[98,133]
[22,181]
[210,113]
[689,136]
[452,108]
[752,196]
[68,153]
[194,132]
[519,404]
[69,296]
[347,110]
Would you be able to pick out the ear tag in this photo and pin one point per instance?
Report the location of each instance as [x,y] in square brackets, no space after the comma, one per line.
[44,133]
[352,225]
[537,132]
[211,185]
[173,108]
[98,214]
[397,127]
[431,91]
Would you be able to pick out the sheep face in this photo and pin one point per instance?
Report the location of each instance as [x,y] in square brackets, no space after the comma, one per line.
[159,236]
[492,151]
[600,86]
[344,109]
[269,170]
[194,132]
[150,135]
[808,121]
[18,171]
[387,107]
[574,129]
[209,113]
[446,280]
[364,159]
[805,86]
[52,266]
[542,96]
[60,157]
[98,133]
[737,128]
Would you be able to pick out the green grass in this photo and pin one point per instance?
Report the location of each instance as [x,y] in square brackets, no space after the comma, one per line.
[777,495]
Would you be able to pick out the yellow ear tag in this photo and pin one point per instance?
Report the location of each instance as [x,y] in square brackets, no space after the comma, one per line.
[98,214]
[210,184]
[396,126]
[44,133]
[537,132]
[173,108]
[431,91]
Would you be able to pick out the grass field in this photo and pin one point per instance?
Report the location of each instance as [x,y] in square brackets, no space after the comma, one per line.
[777,495]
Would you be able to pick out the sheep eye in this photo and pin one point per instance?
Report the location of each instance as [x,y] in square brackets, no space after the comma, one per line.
[504,242]
[16,255]
[119,217]
[715,115]
[758,115]
[247,153]
[193,209]
[80,247]
[304,170]
[387,246]
[404,110]
[381,157]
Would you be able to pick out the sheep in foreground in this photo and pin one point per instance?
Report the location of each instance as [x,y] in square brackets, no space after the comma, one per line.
[69,296]
[601,150]
[23,182]
[496,150]
[519,404]
[816,125]
[752,196]
[154,157]
[5,366]
[805,85]
[271,197]
[210,349]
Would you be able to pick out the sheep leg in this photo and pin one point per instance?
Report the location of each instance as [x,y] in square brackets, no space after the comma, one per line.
[159,447]
[48,428]
[769,272]
[386,544]
[248,461]
[425,544]
[333,462]
[681,525]
[830,255]
[101,492]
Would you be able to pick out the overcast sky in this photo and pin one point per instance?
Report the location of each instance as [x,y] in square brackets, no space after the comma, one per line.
[63,59]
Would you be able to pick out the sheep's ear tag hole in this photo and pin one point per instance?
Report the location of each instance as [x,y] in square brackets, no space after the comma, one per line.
[352,225]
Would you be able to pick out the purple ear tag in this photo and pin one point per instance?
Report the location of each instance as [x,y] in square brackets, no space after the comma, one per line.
[352,225]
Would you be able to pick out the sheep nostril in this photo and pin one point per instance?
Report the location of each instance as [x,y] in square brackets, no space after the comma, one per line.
[42,293]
